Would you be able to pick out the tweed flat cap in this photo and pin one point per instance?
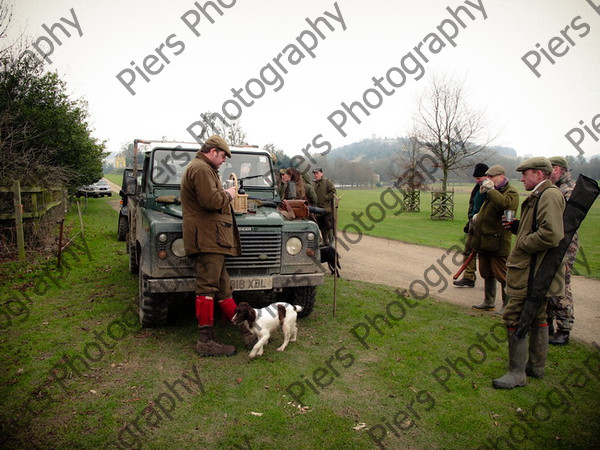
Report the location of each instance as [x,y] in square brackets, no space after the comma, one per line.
[535,163]
[216,141]
[559,161]
[495,170]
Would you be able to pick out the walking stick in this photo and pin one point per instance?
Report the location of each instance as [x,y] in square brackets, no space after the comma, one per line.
[334,203]
[465,264]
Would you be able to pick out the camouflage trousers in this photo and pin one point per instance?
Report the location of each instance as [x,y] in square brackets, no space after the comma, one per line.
[561,308]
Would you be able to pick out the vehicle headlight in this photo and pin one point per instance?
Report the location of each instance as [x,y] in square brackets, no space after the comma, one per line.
[162,238]
[177,248]
[293,246]
[310,237]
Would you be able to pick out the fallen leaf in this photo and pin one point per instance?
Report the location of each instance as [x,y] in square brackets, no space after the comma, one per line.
[256,413]
[93,391]
[359,426]
[238,381]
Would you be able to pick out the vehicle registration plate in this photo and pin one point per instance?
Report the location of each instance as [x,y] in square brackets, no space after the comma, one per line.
[251,284]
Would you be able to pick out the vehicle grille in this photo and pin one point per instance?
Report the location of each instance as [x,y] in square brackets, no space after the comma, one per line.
[260,250]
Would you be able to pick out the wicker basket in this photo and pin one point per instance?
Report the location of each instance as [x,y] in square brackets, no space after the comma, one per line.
[240,203]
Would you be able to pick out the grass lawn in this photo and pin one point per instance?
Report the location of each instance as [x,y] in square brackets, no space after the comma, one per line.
[78,371]
[378,212]
[116,178]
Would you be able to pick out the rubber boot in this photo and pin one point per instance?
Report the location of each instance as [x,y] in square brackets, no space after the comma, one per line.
[538,350]
[490,295]
[206,345]
[517,360]
[561,337]
[505,299]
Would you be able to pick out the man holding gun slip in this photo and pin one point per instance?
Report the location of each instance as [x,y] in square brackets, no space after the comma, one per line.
[539,230]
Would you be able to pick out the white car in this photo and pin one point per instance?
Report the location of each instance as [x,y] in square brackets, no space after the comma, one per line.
[98,189]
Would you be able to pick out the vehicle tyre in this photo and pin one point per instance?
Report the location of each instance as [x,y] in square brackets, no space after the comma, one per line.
[304,296]
[123,228]
[153,308]
[133,261]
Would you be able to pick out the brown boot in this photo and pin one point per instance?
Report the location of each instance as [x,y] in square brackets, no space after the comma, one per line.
[249,338]
[207,346]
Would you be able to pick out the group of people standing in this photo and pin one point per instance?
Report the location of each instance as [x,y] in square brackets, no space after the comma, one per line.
[295,185]
[492,207]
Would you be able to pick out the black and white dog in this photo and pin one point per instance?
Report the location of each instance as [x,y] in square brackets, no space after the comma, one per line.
[328,255]
[264,321]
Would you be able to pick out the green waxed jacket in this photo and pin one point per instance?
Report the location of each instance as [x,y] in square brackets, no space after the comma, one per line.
[325,191]
[489,236]
[549,218]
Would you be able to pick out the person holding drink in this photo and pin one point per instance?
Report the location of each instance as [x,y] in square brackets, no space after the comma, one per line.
[490,239]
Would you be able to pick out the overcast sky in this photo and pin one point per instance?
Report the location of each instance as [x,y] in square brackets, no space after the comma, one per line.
[369,39]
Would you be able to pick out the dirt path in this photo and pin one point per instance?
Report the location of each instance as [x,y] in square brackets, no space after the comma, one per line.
[420,269]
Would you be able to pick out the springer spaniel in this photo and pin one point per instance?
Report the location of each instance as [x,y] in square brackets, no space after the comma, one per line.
[262,322]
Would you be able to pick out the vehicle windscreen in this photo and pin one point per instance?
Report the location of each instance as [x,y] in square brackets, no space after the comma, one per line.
[252,170]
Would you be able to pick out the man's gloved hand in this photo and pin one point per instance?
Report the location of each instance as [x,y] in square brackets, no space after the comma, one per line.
[486,186]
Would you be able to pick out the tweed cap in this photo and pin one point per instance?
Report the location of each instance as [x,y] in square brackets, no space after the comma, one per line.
[559,161]
[479,170]
[535,163]
[317,169]
[216,141]
[495,170]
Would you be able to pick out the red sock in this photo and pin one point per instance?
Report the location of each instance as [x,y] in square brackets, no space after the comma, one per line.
[227,306]
[204,310]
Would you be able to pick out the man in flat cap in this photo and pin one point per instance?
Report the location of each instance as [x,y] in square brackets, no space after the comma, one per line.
[561,308]
[539,230]
[325,190]
[209,235]
[475,201]
[491,240]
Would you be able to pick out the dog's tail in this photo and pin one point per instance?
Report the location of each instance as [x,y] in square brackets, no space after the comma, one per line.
[297,308]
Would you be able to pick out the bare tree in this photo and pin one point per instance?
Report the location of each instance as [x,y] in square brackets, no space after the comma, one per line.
[230,130]
[447,127]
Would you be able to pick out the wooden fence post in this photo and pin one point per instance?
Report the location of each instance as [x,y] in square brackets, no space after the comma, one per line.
[19,219]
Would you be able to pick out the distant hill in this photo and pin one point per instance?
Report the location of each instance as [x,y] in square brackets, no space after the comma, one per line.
[370,150]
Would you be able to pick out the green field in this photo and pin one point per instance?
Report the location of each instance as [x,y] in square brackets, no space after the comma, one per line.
[378,212]
[78,372]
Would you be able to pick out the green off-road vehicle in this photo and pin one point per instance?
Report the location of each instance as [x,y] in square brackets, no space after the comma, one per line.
[279,256]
